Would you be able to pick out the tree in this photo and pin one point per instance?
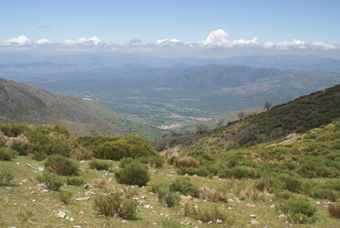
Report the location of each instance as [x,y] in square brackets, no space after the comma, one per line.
[240,115]
[201,128]
[267,105]
[219,123]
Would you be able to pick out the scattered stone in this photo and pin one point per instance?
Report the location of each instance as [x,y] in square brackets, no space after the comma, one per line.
[210,222]
[114,187]
[81,162]
[123,220]
[41,169]
[282,216]
[9,188]
[45,190]
[71,219]
[23,181]
[252,205]
[230,208]
[317,202]
[230,200]
[254,222]
[67,217]
[253,216]
[218,221]
[194,175]
[327,203]
[152,193]
[83,199]
[237,200]
[33,200]
[76,226]
[34,192]
[41,185]
[110,179]
[143,197]
[61,214]
[87,186]
[186,174]
[81,212]
[272,206]
[89,193]
[147,206]
[173,172]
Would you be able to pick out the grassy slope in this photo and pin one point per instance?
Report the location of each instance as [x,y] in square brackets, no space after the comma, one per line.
[38,106]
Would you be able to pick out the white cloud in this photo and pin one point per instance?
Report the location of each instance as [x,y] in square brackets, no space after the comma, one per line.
[82,40]
[285,45]
[160,41]
[216,37]
[20,40]
[245,42]
[43,41]
[322,45]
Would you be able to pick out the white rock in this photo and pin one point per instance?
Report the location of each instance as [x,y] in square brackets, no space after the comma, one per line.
[45,190]
[71,219]
[291,135]
[83,199]
[282,216]
[218,221]
[230,208]
[61,214]
[253,216]
[41,185]
[318,202]
[254,222]
[41,169]
[147,206]
[87,186]
[9,188]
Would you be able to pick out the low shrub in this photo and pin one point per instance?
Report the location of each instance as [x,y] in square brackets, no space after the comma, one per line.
[186,162]
[6,153]
[6,176]
[172,199]
[154,187]
[52,180]
[115,203]
[237,172]
[100,165]
[334,211]
[133,173]
[249,192]
[184,185]
[172,160]
[210,194]
[205,214]
[298,210]
[283,195]
[329,194]
[77,181]
[159,162]
[26,215]
[65,197]
[61,165]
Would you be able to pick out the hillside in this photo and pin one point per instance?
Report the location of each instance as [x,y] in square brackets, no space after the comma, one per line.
[297,116]
[37,106]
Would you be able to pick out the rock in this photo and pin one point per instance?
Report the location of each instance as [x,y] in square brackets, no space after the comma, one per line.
[173,172]
[327,203]
[41,169]
[123,220]
[89,193]
[83,199]
[23,181]
[218,221]
[143,197]
[291,135]
[34,192]
[254,222]
[152,193]
[209,222]
[81,162]
[61,214]
[230,200]
[81,212]
[76,226]
[67,217]
[147,206]
[9,188]
[45,190]
[41,185]
[282,216]
[230,208]
[237,200]
[317,202]
[87,186]
[186,174]
[253,216]
[71,219]
[272,206]
[116,215]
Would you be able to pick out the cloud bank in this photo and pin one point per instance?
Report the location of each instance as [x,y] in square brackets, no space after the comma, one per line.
[215,41]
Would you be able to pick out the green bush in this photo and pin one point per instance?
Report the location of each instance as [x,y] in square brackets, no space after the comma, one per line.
[169,222]
[133,173]
[184,185]
[186,162]
[172,160]
[298,210]
[329,194]
[6,175]
[334,211]
[172,199]
[113,203]
[61,165]
[7,154]
[100,165]
[52,180]
[77,181]
[159,162]
[65,197]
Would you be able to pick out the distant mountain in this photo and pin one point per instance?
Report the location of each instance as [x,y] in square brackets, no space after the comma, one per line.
[22,103]
[110,62]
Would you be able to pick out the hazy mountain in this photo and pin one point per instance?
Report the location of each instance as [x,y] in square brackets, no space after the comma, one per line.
[24,103]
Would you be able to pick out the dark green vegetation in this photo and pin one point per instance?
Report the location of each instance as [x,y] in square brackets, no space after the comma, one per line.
[36,106]
[151,96]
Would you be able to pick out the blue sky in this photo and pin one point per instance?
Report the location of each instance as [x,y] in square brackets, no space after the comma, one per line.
[115,23]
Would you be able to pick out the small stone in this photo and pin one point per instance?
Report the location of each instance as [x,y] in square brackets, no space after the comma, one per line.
[76,226]
[33,200]
[87,186]
[253,216]
[61,214]
[81,162]
[210,222]
[116,215]
[23,181]
[173,172]
[9,188]
[81,212]
[147,206]
[252,205]
[71,219]
[123,220]
[218,221]
[254,222]
[41,169]
[152,193]
[282,216]
[34,192]
[272,206]
[143,197]
[41,185]
[230,208]
[83,199]
[327,203]
[318,202]
[110,179]
[45,190]
[186,174]
[67,217]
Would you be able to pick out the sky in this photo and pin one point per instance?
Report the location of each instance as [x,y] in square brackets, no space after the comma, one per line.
[172,28]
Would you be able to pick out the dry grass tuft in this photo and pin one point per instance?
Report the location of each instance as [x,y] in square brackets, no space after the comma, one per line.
[186,162]
[210,194]
[334,211]
[101,184]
